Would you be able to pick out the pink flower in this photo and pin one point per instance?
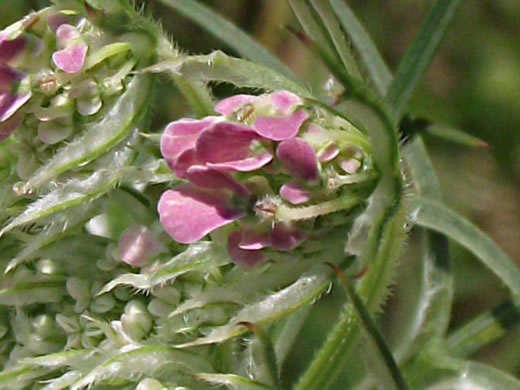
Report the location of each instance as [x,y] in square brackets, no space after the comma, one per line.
[214,153]
[71,58]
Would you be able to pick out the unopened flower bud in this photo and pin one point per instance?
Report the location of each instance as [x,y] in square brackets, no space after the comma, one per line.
[150,384]
[137,245]
[136,320]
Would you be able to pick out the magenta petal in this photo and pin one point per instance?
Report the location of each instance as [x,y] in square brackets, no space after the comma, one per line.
[188,213]
[299,158]
[9,104]
[283,101]
[244,165]
[230,104]
[71,59]
[294,193]
[285,237]
[180,136]
[9,49]
[211,178]
[279,128]
[242,256]
[136,245]
[8,76]
[225,141]
[254,240]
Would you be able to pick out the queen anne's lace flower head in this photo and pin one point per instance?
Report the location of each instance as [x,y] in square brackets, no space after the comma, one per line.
[269,168]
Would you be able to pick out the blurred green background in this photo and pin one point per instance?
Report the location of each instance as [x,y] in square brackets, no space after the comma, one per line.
[473,84]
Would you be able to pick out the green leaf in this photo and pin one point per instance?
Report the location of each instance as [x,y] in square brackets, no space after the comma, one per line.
[434,215]
[234,382]
[441,372]
[58,229]
[337,36]
[287,330]
[311,25]
[271,307]
[202,255]
[420,53]
[20,376]
[374,64]
[455,135]
[151,360]
[228,33]
[483,329]
[99,137]
[218,66]
[39,289]
[379,353]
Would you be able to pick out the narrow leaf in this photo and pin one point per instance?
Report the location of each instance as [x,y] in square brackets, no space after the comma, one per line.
[420,53]
[234,382]
[483,329]
[374,64]
[337,36]
[270,308]
[218,66]
[228,33]
[436,216]
[314,30]
[376,341]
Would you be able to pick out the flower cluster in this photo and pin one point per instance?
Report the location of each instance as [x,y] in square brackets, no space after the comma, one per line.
[268,166]
[57,71]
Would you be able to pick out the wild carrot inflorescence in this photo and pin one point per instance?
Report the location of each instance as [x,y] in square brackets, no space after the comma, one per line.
[272,169]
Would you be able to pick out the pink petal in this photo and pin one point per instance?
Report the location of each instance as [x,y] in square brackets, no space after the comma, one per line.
[211,178]
[299,158]
[240,256]
[71,59]
[180,136]
[188,213]
[10,125]
[294,193]
[283,101]
[329,153]
[279,128]
[136,245]
[244,165]
[230,104]
[185,160]
[224,142]
[350,165]
[65,33]
[285,237]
